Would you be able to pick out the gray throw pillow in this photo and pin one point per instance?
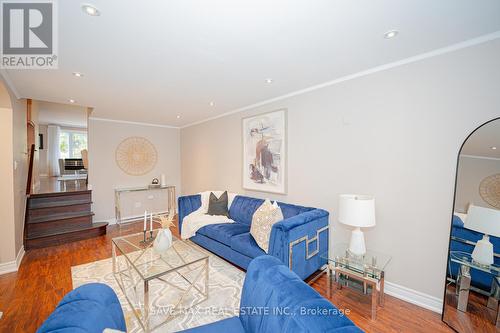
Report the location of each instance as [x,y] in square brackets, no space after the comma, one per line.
[218,206]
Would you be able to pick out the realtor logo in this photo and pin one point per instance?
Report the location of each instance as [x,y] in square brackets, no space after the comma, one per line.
[29,39]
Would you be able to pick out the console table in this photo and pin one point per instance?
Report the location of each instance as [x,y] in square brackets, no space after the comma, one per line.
[120,191]
[368,270]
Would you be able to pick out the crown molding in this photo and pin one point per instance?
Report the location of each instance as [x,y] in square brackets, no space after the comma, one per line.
[437,52]
[132,122]
[480,157]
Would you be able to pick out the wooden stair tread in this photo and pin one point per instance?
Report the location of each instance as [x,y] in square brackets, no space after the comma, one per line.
[61,216]
[53,204]
[66,230]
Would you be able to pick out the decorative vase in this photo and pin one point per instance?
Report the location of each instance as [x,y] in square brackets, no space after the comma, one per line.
[163,241]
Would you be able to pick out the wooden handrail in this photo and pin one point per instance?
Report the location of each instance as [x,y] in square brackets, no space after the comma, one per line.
[30,170]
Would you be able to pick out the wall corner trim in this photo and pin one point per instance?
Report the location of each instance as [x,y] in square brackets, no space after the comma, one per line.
[418,298]
[12,266]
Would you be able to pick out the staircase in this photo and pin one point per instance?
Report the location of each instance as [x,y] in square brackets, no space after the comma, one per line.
[60,217]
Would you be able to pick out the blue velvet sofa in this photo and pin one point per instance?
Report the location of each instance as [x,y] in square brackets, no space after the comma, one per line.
[274,299]
[302,227]
[87,309]
[463,239]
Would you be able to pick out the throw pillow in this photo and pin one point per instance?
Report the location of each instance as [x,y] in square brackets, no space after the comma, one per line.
[262,223]
[218,206]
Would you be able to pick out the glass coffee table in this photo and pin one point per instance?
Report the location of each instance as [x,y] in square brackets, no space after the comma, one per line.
[343,267]
[182,267]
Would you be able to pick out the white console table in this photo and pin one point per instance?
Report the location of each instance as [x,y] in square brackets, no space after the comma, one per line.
[120,191]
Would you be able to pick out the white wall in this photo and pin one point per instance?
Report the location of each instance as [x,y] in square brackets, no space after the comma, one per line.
[43,163]
[104,174]
[13,168]
[394,134]
[471,171]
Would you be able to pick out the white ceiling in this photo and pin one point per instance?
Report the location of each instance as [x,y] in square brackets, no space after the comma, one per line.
[150,61]
[62,114]
[481,141]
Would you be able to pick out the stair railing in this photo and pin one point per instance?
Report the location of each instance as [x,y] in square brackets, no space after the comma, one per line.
[30,170]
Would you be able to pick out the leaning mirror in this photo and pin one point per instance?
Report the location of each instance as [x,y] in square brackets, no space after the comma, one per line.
[472,291]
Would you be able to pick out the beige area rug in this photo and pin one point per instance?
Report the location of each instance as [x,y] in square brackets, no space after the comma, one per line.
[225,284]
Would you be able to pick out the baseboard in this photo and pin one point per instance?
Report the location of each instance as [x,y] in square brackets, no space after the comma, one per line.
[414,297]
[20,256]
[12,266]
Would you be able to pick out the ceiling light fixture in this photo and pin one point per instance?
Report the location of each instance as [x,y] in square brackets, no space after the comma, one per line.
[391,34]
[212,103]
[269,80]
[91,10]
[178,117]
[494,147]
[77,74]
[71,101]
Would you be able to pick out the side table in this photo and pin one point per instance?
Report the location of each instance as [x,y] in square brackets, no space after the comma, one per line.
[463,281]
[368,270]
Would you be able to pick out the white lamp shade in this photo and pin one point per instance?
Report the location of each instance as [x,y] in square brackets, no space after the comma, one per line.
[357,210]
[483,220]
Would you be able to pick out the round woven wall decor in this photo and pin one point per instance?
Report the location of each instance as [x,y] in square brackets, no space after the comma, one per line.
[136,156]
[489,189]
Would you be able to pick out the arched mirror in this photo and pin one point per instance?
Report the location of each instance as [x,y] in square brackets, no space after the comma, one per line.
[472,291]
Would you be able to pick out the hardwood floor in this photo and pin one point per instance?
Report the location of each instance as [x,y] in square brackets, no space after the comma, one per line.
[478,318]
[52,185]
[30,295]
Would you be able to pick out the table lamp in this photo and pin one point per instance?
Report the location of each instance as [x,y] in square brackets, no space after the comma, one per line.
[357,211]
[487,222]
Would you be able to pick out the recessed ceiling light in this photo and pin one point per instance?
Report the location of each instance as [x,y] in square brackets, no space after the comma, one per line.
[391,34]
[178,117]
[71,100]
[212,104]
[494,147]
[91,10]
[77,74]
[269,80]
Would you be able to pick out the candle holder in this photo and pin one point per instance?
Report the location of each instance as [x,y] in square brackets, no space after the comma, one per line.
[148,240]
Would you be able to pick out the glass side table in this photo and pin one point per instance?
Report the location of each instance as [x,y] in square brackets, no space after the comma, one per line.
[463,282]
[367,269]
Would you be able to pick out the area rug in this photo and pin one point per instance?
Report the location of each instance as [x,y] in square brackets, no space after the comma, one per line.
[225,285]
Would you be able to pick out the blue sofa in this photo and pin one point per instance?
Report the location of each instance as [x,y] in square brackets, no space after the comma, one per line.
[274,299]
[87,309]
[463,239]
[302,227]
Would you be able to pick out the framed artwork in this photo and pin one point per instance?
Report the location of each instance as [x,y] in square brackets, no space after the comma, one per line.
[264,152]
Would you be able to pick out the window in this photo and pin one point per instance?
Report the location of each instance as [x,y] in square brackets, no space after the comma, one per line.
[71,143]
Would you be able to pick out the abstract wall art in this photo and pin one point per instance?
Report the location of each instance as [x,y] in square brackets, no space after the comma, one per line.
[264,152]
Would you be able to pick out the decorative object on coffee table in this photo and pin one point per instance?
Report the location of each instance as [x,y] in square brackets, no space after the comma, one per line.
[163,240]
[136,156]
[264,152]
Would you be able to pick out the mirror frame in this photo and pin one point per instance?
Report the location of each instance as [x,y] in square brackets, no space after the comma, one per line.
[451,220]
